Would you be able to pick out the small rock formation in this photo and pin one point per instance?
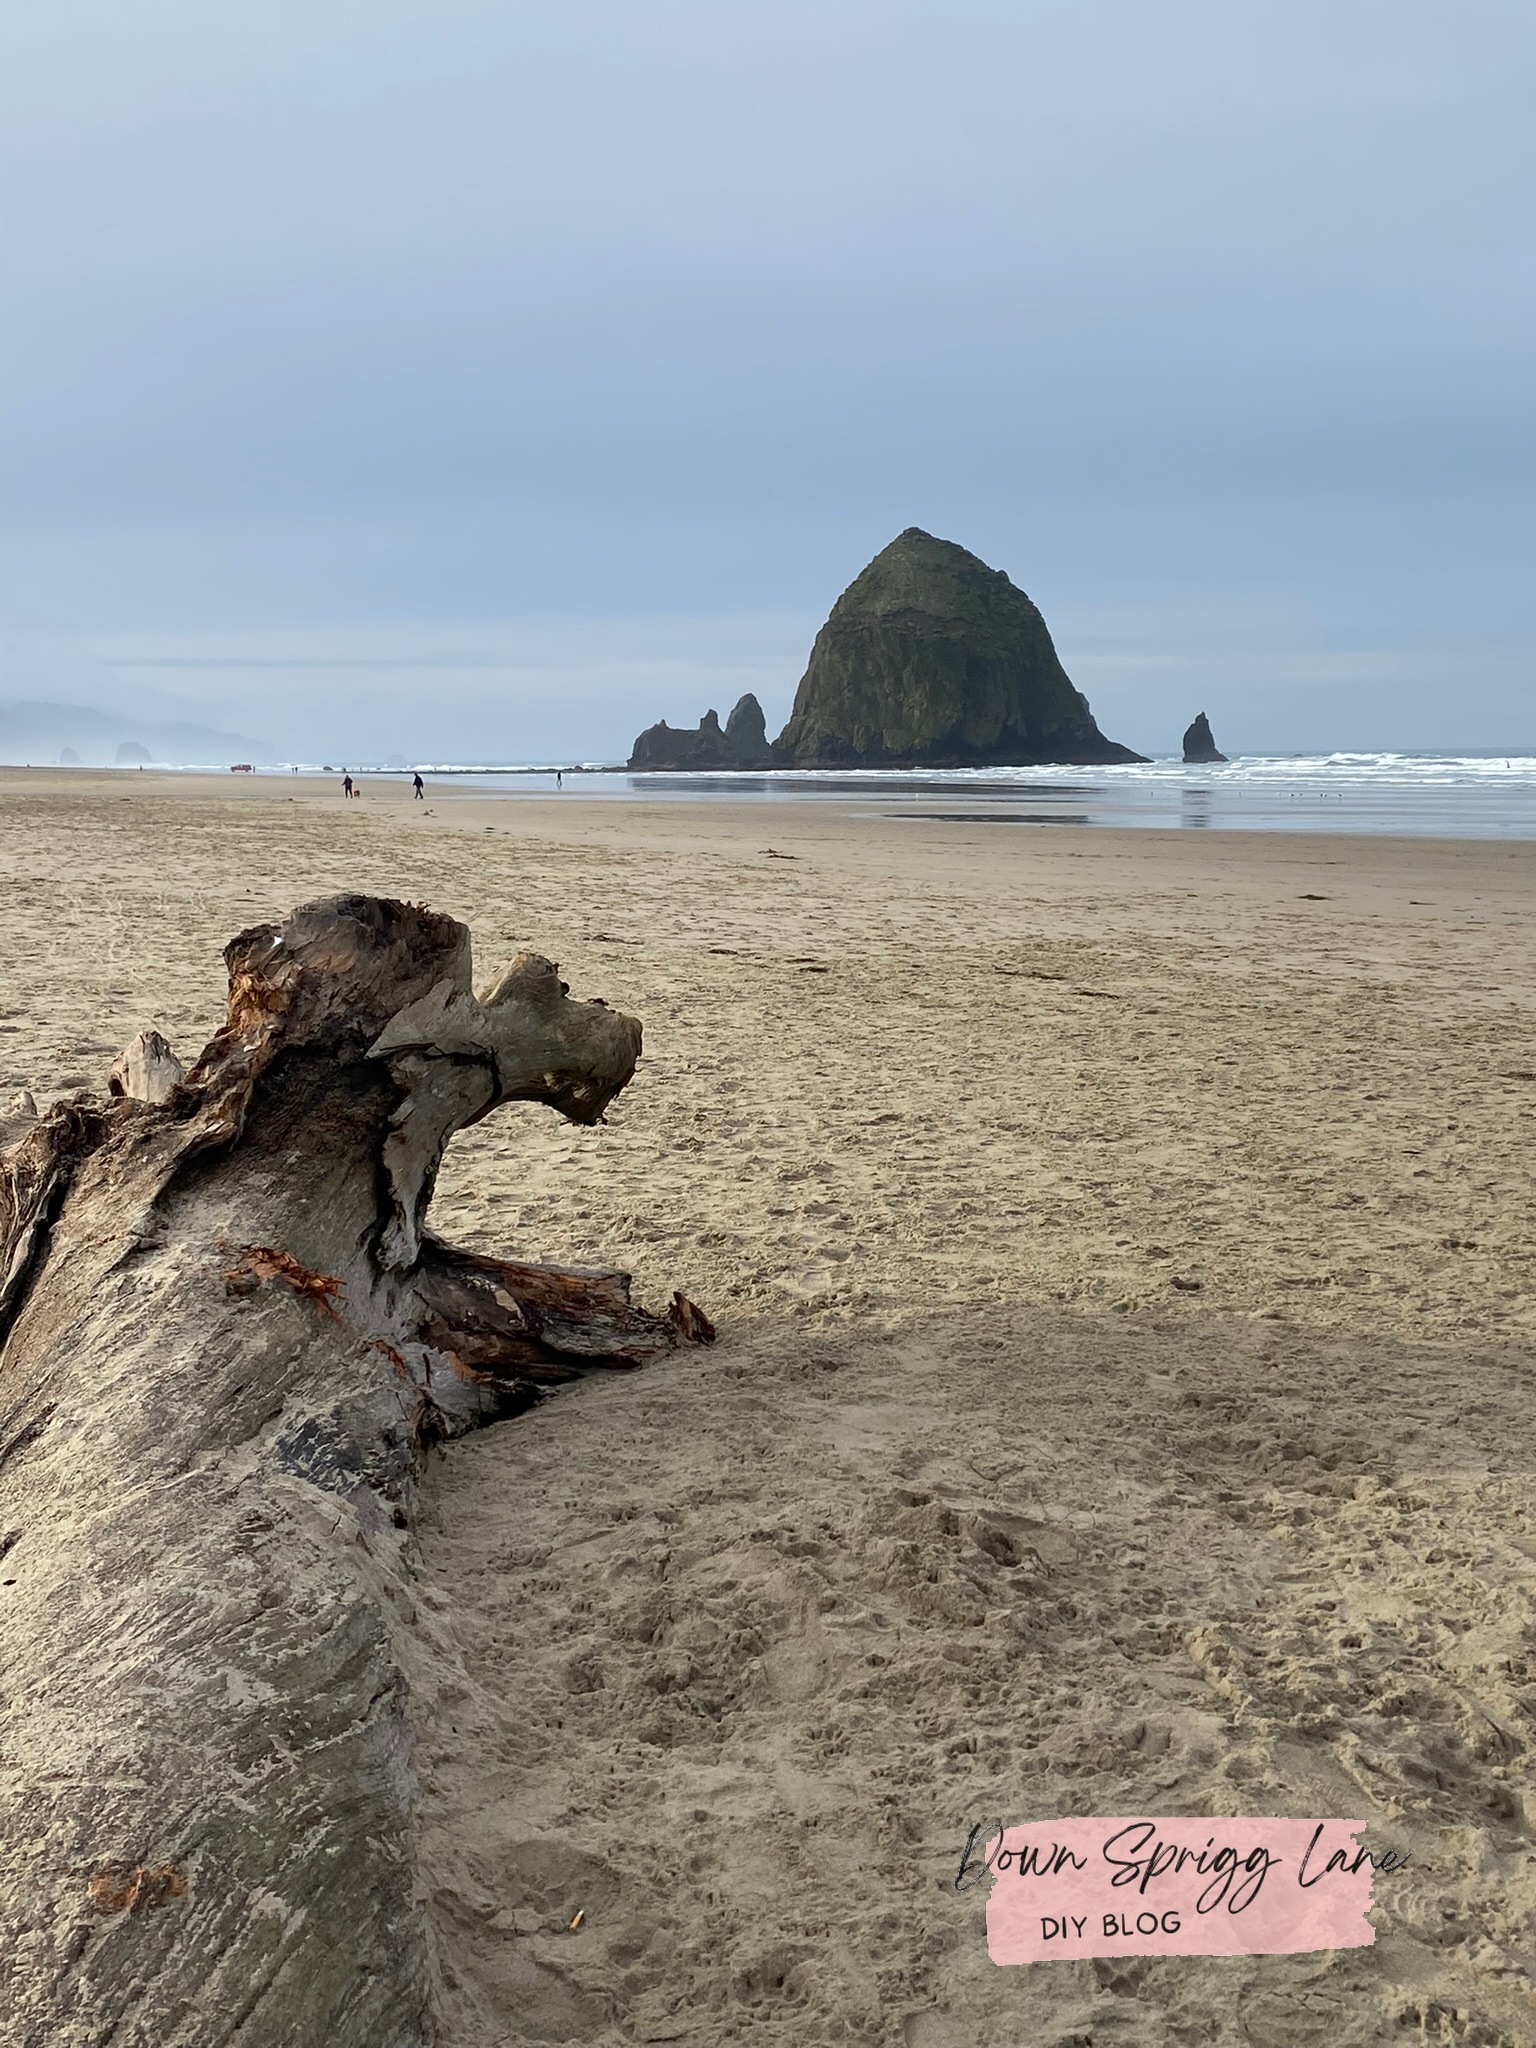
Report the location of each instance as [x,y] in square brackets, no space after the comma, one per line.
[932,660]
[746,733]
[68,758]
[743,743]
[1199,745]
[130,751]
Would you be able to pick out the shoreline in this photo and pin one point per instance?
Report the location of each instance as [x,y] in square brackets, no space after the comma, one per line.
[1490,807]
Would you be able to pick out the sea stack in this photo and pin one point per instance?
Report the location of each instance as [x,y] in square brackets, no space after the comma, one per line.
[1199,745]
[932,660]
[742,744]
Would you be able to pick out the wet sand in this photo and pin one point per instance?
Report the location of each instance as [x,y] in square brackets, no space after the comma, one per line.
[1122,1251]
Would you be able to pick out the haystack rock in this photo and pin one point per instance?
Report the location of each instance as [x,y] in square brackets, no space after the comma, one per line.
[743,743]
[932,660]
[1199,744]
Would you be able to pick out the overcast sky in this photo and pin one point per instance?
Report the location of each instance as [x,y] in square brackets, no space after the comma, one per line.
[469,378]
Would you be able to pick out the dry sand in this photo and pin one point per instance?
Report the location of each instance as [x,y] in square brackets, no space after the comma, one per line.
[1122,1249]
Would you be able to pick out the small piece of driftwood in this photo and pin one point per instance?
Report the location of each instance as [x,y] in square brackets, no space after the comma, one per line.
[228,1340]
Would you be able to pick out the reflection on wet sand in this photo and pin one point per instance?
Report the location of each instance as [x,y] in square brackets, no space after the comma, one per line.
[1469,798]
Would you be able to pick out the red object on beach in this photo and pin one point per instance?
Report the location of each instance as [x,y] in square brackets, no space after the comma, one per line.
[242,768]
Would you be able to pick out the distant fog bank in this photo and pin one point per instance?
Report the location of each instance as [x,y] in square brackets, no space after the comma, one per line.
[46,734]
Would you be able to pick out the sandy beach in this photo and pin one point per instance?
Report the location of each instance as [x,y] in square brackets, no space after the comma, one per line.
[1121,1246]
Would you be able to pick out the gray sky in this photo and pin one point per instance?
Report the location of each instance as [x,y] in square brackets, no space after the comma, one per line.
[480,379]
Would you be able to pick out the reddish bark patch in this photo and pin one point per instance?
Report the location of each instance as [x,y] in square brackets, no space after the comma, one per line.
[690,1321]
[258,1262]
[135,1887]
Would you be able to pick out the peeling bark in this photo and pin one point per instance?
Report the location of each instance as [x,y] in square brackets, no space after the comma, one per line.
[227,1341]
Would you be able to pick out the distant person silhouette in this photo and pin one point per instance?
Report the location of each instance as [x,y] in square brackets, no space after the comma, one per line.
[346,785]
[419,786]
[559,780]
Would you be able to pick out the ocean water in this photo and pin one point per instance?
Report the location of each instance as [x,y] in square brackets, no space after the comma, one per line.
[1453,796]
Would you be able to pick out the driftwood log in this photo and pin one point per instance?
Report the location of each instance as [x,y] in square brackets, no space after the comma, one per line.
[228,1340]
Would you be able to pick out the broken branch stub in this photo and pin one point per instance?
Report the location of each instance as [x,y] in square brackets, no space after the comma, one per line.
[227,1341]
[455,1057]
[147,1070]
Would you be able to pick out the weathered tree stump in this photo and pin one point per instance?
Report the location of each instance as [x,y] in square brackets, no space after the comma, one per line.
[227,1342]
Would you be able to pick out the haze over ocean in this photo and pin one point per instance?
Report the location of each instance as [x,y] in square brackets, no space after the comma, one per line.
[465,383]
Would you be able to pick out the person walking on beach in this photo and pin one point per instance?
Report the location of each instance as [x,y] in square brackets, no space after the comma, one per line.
[420,787]
[346,785]
[559,779]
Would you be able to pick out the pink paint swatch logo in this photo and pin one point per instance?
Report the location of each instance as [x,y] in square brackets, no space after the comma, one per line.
[1208,1886]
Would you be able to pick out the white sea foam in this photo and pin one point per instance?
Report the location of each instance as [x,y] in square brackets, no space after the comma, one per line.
[1443,795]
